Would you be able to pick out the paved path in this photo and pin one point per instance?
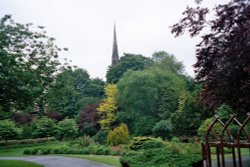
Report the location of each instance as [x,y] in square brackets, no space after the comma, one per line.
[229,162]
[58,161]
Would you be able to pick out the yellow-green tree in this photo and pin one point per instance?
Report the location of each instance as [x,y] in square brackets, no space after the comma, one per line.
[119,135]
[107,108]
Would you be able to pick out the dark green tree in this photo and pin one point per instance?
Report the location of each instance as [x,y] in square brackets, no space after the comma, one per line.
[128,61]
[189,116]
[167,62]
[72,91]
[28,62]
[163,129]
[63,97]
[140,96]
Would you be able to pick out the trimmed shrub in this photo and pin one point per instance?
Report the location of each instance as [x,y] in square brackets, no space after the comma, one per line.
[119,135]
[145,142]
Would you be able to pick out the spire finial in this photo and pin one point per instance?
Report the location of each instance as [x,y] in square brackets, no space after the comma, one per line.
[115,55]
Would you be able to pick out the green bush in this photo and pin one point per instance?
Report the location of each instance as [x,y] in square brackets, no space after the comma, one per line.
[119,135]
[34,151]
[66,129]
[45,151]
[24,142]
[26,132]
[175,140]
[145,142]
[158,157]
[93,149]
[154,152]
[26,151]
[8,130]
[163,129]
[44,127]
[85,141]
[101,137]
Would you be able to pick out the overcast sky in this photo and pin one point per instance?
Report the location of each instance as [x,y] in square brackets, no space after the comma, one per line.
[86,28]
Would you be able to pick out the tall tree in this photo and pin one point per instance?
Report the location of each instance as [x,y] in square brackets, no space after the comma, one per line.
[189,115]
[142,100]
[167,62]
[28,62]
[108,107]
[63,97]
[73,91]
[223,63]
[128,61]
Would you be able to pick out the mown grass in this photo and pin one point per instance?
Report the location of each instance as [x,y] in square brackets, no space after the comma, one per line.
[244,152]
[15,151]
[17,163]
[105,159]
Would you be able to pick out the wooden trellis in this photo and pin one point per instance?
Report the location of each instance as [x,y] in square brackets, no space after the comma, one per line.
[226,140]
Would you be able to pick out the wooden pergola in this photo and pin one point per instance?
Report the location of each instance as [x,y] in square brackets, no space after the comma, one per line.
[226,140]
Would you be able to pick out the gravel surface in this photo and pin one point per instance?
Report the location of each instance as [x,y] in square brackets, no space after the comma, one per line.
[58,161]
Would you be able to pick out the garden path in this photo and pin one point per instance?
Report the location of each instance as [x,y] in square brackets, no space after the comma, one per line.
[58,161]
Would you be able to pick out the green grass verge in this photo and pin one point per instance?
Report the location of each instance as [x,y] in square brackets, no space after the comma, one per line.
[105,159]
[18,151]
[17,163]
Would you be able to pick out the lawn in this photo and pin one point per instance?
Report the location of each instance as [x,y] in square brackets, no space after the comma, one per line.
[105,159]
[15,151]
[18,151]
[17,163]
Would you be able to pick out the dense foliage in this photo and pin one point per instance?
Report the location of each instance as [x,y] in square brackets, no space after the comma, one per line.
[72,91]
[141,97]
[144,96]
[88,121]
[127,62]
[28,62]
[44,127]
[8,130]
[118,135]
[66,129]
[108,107]
[223,63]
[152,152]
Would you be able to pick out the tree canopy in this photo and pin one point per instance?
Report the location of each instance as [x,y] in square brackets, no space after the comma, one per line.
[73,91]
[128,61]
[28,62]
[223,63]
[143,101]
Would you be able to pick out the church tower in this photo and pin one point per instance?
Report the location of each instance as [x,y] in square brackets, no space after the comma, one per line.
[115,55]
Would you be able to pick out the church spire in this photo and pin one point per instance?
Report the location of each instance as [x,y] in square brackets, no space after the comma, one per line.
[115,55]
